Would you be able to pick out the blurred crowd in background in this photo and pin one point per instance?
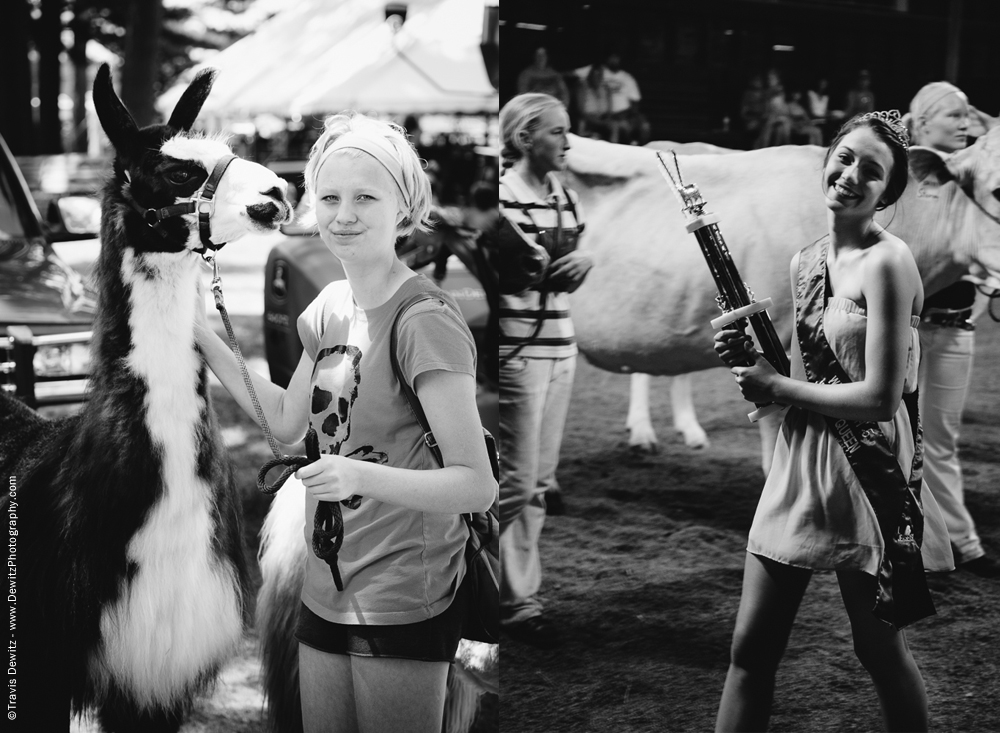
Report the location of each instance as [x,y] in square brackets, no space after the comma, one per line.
[605,103]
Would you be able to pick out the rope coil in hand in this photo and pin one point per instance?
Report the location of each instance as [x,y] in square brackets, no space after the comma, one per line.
[328,521]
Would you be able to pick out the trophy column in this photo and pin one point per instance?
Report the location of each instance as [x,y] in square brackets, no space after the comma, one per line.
[735,299]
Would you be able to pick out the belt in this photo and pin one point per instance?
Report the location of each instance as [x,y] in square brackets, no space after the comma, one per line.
[950,319]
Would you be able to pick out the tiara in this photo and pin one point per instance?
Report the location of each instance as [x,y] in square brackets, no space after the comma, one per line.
[893,121]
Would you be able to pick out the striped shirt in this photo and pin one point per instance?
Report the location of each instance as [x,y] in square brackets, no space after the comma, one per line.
[519,313]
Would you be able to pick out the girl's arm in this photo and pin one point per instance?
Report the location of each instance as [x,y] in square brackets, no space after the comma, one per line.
[890,285]
[465,484]
[286,410]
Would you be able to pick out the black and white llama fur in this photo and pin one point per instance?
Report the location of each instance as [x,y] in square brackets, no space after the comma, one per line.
[132,569]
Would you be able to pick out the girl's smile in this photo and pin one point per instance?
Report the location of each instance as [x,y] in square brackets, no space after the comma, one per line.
[857,173]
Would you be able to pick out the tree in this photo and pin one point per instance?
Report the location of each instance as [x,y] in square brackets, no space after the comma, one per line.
[155,43]
[15,83]
[48,41]
[142,46]
[80,27]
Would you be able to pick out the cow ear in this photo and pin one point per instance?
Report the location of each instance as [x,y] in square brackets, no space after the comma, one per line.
[926,161]
[980,123]
[118,124]
[189,105]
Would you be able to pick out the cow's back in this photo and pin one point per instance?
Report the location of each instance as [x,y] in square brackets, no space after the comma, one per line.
[647,304]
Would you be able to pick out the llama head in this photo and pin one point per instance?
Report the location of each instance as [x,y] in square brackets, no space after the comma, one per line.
[163,165]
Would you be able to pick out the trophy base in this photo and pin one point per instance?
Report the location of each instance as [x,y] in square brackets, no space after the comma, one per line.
[748,310]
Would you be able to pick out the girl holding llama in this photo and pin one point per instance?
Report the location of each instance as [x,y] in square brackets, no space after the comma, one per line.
[374,656]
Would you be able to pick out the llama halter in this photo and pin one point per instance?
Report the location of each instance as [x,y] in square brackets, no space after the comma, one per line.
[203,204]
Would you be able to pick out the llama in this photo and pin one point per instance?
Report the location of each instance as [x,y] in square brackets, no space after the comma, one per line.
[282,565]
[132,573]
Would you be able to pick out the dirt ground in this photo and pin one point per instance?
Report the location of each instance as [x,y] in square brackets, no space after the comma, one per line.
[643,576]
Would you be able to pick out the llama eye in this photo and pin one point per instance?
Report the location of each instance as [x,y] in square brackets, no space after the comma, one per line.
[179,177]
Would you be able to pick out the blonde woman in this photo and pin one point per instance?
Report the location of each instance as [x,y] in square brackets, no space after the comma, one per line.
[374,656]
[939,119]
[537,352]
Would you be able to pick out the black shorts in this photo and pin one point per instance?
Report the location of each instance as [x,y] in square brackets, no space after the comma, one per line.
[433,640]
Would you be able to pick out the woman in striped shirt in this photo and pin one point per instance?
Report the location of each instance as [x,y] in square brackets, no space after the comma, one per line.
[537,350]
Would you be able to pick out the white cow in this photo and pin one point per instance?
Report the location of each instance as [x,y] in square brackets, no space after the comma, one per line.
[647,304]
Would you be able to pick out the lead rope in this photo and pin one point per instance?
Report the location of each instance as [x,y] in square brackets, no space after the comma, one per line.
[328,522]
[220,305]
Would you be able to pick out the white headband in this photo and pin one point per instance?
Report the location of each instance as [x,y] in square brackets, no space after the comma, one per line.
[929,95]
[377,147]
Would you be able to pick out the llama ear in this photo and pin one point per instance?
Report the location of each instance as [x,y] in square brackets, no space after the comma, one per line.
[189,105]
[115,119]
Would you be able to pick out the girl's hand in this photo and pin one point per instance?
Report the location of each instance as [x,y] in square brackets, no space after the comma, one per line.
[567,273]
[757,382]
[332,478]
[733,347]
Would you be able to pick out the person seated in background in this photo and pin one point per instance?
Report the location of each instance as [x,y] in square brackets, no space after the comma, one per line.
[819,99]
[753,108]
[802,123]
[860,97]
[628,125]
[777,127]
[818,105]
[593,104]
[543,79]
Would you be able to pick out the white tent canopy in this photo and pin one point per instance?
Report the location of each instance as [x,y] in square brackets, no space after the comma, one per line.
[321,56]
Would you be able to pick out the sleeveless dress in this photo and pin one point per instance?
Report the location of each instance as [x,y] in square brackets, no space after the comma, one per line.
[813,512]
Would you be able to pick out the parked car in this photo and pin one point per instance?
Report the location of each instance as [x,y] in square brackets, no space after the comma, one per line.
[300,265]
[46,310]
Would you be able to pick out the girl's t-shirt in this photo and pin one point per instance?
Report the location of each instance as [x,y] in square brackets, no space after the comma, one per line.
[399,566]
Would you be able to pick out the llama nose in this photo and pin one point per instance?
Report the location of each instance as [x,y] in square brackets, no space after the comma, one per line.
[264,213]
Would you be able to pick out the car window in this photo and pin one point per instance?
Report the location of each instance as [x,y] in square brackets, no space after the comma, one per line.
[10,222]
[15,215]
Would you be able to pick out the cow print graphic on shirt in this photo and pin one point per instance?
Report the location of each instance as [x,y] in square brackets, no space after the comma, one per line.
[337,378]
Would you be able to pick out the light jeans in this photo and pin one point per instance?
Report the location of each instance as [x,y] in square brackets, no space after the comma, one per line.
[945,372]
[534,400]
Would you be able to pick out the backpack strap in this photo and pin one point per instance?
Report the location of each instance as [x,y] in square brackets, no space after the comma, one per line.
[408,393]
[414,402]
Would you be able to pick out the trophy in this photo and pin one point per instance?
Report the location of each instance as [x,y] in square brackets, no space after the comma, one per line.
[736,301]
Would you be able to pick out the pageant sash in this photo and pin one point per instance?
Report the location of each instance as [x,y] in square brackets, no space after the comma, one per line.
[902,596]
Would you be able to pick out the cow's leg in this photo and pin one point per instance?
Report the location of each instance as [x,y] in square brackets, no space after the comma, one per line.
[768,436]
[641,436]
[685,420]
